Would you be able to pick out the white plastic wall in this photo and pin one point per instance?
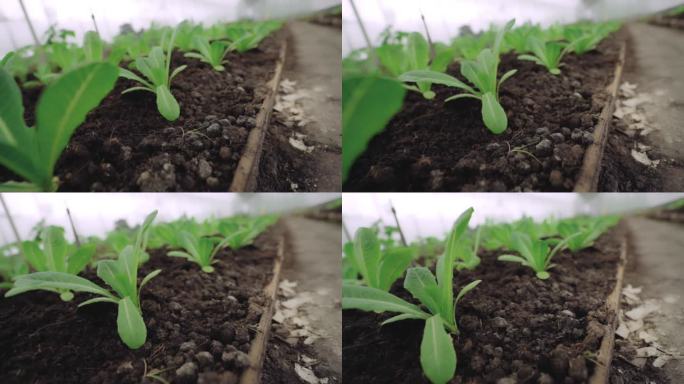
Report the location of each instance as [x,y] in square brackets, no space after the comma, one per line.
[96,213]
[445,17]
[110,14]
[433,214]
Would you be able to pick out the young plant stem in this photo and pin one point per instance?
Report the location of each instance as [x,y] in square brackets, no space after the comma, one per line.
[73,228]
[39,47]
[396,220]
[92,16]
[11,220]
[429,39]
[346,231]
[371,52]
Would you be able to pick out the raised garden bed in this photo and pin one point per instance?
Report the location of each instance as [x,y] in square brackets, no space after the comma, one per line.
[215,144]
[512,325]
[434,146]
[192,319]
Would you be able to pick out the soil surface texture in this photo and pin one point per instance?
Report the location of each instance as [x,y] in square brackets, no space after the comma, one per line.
[199,325]
[435,146]
[513,326]
[126,145]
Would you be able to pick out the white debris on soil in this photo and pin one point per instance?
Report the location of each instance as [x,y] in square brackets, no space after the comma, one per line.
[636,325]
[629,109]
[295,326]
[292,113]
[297,141]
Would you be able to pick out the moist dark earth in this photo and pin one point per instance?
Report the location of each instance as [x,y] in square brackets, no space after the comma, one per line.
[512,325]
[200,325]
[436,146]
[126,145]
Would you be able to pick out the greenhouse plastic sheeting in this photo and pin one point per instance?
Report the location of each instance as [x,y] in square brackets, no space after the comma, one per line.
[95,214]
[422,215]
[110,15]
[446,17]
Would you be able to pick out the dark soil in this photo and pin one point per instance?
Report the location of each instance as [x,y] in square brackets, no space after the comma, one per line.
[126,145]
[512,325]
[282,167]
[436,146]
[187,312]
[619,171]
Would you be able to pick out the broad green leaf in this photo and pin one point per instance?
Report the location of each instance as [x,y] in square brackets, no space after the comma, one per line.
[128,265]
[13,186]
[437,354]
[392,57]
[421,283]
[367,254]
[394,263]
[418,51]
[63,106]
[373,299]
[130,324]
[34,255]
[435,78]
[110,272]
[93,47]
[80,258]
[54,280]
[493,114]
[12,125]
[368,103]
[166,103]
[54,248]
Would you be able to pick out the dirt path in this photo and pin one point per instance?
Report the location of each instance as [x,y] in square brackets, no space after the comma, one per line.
[658,267]
[316,266]
[315,67]
[657,65]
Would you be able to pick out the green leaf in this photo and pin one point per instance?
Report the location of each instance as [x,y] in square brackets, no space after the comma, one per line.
[34,255]
[167,104]
[394,263]
[12,125]
[373,299]
[130,324]
[436,78]
[13,186]
[421,283]
[493,114]
[53,281]
[80,258]
[54,248]
[110,272]
[367,254]
[437,354]
[368,103]
[63,106]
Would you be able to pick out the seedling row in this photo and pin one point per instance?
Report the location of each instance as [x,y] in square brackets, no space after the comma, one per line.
[512,108]
[171,300]
[522,300]
[160,109]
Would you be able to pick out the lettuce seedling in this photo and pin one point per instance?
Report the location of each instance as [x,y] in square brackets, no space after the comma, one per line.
[483,74]
[62,107]
[155,68]
[547,54]
[437,354]
[534,253]
[580,236]
[121,275]
[57,255]
[200,250]
[379,268]
[412,55]
[12,265]
[466,252]
[212,53]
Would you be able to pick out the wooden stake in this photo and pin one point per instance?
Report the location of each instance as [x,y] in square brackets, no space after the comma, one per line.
[11,221]
[396,220]
[73,228]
